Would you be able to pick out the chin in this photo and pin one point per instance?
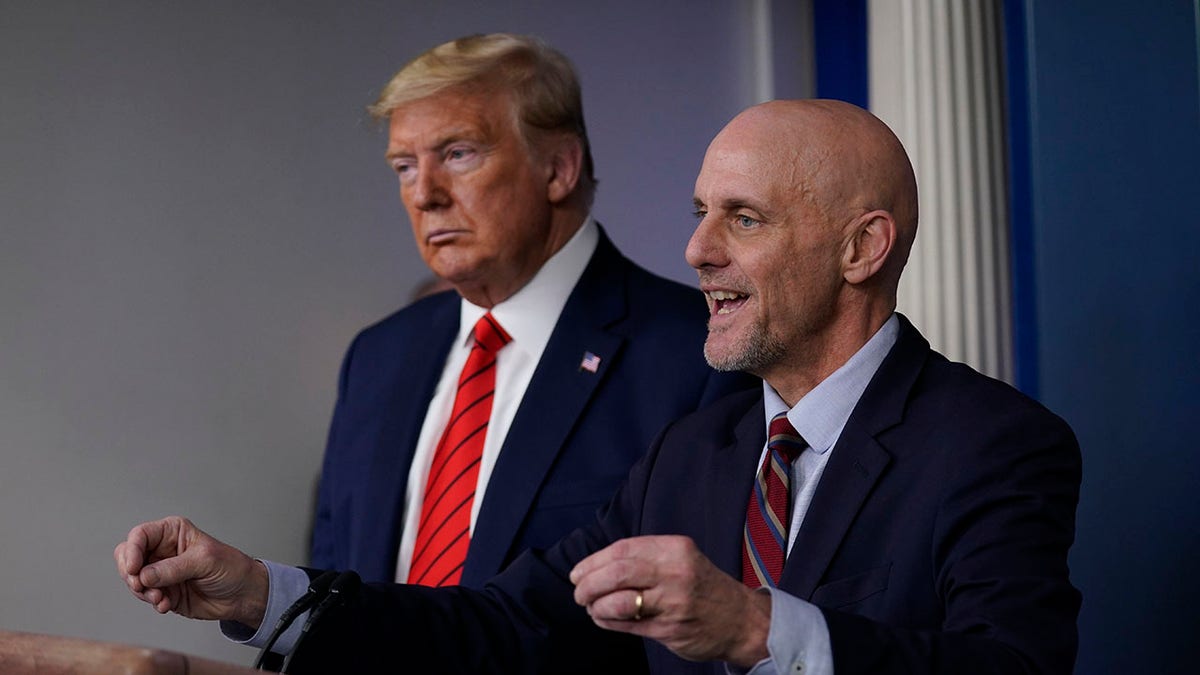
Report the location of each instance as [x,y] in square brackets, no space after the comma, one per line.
[721,356]
[749,351]
[453,269]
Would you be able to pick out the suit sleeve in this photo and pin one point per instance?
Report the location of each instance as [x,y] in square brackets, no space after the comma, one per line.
[999,548]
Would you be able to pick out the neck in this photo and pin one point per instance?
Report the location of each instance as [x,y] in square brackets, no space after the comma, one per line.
[821,355]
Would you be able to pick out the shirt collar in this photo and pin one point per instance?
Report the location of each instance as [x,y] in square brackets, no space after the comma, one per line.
[530,314]
[821,414]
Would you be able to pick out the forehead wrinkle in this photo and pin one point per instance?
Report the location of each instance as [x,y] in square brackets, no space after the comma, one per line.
[746,166]
[732,198]
[792,160]
[461,112]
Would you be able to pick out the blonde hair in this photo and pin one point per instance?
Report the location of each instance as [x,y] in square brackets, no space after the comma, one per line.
[541,82]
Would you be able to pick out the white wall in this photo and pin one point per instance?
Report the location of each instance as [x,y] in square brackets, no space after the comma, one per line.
[195,218]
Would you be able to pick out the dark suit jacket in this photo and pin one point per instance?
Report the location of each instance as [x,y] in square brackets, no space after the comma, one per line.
[573,439]
[936,542]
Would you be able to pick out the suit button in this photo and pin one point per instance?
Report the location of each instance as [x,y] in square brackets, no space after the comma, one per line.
[798,667]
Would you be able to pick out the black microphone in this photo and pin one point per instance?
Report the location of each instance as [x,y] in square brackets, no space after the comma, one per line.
[317,589]
[343,587]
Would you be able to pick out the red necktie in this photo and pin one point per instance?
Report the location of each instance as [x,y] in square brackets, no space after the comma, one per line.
[764,541]
[444,530]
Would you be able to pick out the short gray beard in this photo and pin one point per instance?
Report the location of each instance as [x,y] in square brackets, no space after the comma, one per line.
[758,352]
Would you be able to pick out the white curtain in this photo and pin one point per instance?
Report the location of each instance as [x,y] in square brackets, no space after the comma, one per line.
[936,77]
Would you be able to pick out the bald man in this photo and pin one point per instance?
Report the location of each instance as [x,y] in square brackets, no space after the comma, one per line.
[874,509]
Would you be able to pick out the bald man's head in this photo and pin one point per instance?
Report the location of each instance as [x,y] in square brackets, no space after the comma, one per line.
[841,158]
[808,211]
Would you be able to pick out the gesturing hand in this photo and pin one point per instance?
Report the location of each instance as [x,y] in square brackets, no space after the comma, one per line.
[175,567]
[689,605]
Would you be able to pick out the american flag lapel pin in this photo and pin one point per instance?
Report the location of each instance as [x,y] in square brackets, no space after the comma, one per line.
[590,362]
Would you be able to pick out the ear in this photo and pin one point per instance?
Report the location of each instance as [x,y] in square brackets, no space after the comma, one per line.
[565,163]
[873,237]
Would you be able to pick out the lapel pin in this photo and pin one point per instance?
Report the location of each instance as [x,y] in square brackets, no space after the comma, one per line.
[590,362]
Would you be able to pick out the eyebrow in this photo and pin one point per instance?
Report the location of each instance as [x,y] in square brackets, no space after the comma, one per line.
[447,138]
[731,204]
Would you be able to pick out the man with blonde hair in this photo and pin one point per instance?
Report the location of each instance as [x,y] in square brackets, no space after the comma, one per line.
[537,80]
[475,424]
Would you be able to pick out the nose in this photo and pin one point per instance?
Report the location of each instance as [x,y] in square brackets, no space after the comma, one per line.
[429,190]
[704,249]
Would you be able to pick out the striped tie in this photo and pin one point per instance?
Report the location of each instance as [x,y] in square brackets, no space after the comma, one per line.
[765,538]
[444,530]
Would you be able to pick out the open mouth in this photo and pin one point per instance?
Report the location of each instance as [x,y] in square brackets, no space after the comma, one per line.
[725,302]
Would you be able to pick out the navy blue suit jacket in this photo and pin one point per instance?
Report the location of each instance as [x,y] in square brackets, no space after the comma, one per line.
[936,542]
[572,442]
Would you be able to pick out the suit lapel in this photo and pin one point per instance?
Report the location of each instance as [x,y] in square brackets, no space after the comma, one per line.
[853,469]
[557,394]
[856,465]
[415,375]
[725,499]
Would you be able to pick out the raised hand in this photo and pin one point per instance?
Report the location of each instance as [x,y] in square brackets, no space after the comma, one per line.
[174,566]
[663,588]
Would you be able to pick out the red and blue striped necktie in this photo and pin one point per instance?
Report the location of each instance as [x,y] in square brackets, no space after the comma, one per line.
[444,530]
[764,544]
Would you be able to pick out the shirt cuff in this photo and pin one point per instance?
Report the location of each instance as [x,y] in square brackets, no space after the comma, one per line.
[286,585]
[798,640]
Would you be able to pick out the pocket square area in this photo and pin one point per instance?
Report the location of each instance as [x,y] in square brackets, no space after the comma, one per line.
[852,589]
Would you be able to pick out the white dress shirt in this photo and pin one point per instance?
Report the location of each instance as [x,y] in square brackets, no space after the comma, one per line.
[529,316]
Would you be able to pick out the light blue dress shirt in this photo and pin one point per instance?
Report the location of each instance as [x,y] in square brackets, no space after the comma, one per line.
[798,640]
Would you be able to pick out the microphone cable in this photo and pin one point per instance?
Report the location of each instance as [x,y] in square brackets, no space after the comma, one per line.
[343,587]
[317,589]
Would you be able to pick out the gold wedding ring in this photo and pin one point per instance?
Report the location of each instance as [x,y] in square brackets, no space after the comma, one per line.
[638,602]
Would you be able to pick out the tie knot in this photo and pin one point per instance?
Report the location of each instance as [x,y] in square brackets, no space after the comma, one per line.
[784,438]
[489,334]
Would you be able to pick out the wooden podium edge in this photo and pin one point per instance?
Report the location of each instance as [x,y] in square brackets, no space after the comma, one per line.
[38,654]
